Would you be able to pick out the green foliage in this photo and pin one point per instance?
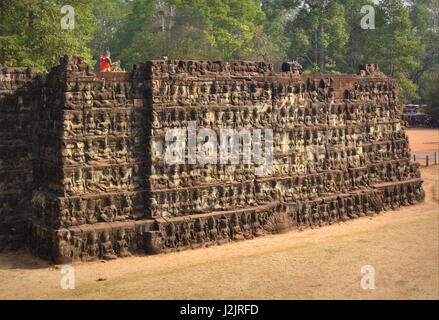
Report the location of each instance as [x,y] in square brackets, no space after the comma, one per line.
[31,33]
[395,46]
[318,34]
[231,24]
[432,96]
[193,29]
[110,15]
[325,36]
[409,90]
[133,39]
[355,53]
[426,28]
[314,69]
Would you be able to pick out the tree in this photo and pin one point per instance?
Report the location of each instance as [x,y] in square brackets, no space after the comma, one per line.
[155,29]
[432,96]
[232,25]
[194,29]
[132,39]
[394,45]
[431,5]
[31,33]
[318,34]
[110,15]
[355,53]
[425,27]
[186,38]
[278,14]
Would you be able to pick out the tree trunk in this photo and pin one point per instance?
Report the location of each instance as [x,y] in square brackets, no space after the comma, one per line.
[316,49]
[321,53]
[322,48]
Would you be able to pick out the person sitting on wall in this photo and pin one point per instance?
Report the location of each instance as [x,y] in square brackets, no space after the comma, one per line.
[106,62]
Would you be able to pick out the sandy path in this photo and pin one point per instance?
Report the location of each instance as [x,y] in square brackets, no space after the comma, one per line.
[325,263]
[424,140]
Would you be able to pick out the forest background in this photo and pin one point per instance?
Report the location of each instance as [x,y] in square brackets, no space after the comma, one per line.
[325,36]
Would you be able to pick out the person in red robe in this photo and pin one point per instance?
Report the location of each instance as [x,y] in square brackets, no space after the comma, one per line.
[106,62]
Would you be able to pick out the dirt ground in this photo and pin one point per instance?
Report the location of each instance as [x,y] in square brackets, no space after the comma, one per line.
[424,140]
[325,263]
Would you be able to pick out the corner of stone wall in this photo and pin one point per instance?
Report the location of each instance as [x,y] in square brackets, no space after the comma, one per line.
[19,99]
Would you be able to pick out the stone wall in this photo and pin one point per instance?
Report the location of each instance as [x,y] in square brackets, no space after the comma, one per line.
[102,188]
[339,149]
[92,159]
[19,96]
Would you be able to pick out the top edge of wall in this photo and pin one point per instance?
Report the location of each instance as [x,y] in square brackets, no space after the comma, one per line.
[18,70]
[76,67]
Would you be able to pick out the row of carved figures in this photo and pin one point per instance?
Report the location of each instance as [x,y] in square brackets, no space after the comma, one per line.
[83,180]
[317,213]
[266,115]
[188,175]
[201,198]
[110,243]
[122,149]
[240,195]
[239,90]
[126,120]
[107,179]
